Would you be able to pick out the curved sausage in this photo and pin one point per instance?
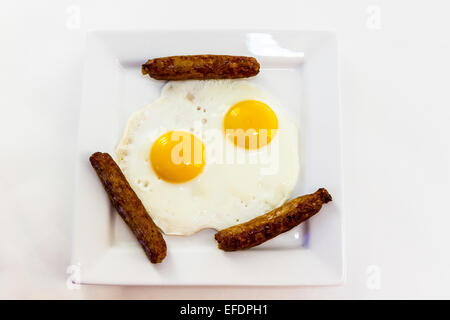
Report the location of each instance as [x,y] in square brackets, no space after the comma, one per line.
[129,207]
[273,223]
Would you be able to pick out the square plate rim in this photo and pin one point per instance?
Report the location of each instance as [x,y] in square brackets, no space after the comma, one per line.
[340,279]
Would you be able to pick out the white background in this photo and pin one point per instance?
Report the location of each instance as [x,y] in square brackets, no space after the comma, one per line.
[394,60]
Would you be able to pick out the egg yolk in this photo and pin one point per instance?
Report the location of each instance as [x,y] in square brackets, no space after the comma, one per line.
[250,124]
[177,156]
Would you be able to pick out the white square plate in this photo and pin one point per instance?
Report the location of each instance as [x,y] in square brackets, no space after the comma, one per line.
[300,70]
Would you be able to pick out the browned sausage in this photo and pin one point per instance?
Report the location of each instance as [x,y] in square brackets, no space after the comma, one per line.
[129,207]
[201,67]
[273,223]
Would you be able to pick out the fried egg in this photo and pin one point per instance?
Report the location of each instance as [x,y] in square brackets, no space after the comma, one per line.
[210,154]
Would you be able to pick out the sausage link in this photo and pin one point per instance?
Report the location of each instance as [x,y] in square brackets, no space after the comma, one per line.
[201,67]
[273,223]
[129,207]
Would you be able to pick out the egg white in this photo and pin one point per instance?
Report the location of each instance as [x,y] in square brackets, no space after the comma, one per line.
[225,193]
